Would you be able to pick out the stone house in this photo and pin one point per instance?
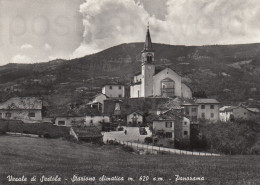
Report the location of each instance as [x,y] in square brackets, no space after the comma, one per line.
[114,90]
[26,109]
[97,120]
[69,121]
[135,118]
[190,110]
[172,124]
[231,113]
[208,109]
[97,102]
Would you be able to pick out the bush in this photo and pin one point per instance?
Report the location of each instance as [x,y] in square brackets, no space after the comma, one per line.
[120,129]
[230,138]
[46,135]
[128,149]
[148,140]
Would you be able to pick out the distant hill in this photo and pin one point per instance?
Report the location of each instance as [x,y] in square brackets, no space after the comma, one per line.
[230,73]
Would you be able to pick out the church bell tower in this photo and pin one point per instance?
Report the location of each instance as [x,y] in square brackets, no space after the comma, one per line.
[148,67]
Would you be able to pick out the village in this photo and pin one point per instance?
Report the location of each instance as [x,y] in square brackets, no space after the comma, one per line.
[159,110]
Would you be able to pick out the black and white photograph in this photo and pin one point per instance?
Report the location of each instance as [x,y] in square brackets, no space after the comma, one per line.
[129,92]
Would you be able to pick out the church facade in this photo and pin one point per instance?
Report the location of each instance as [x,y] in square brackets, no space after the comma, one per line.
[165,83]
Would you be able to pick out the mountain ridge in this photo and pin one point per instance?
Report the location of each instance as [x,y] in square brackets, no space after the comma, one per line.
[219,70]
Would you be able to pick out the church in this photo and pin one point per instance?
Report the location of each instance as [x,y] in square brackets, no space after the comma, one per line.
[165,83]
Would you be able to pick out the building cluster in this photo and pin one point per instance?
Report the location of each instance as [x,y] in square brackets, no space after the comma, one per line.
[157,98]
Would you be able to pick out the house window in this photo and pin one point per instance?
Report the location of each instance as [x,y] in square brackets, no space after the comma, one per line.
[120,96]
[187,110]
[202,106]
[103,121]
[8,115]
[212,115]
[185,123]
[211,106]
[110,87]
[61,122]
[119,87]
[193,110]
[134,114]
[185,133]
[91,122]
[0,114]
[203,115]
[31,114]
[193,118]
[168,124]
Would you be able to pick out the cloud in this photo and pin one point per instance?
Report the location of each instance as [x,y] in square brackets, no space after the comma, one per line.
[21,59]
[204,22]
[110,22]
[47,47]
[26,47]
[213,22]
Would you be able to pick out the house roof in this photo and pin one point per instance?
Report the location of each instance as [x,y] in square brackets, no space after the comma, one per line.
[114,84]
[99,95]
[137,112]
[136,83]
[137,74]
[87,132]
[206,101]
[28,103]
[255,110]
[188,102]
[169,115]
[226,108]
[171,104]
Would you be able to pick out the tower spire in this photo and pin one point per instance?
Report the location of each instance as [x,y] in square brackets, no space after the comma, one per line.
[148,41]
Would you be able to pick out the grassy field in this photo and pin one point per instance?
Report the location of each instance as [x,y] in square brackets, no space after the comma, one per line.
[50,157]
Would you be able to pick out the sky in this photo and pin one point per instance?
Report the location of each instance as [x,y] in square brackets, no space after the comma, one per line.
[34,31]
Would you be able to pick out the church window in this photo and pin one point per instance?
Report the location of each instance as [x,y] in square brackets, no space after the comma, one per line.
[167,87]
[117,106]
[149,58]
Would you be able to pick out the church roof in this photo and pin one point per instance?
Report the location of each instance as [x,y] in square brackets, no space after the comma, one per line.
[148,46]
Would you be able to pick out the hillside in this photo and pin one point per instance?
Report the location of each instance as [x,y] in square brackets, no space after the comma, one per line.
[230,73]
